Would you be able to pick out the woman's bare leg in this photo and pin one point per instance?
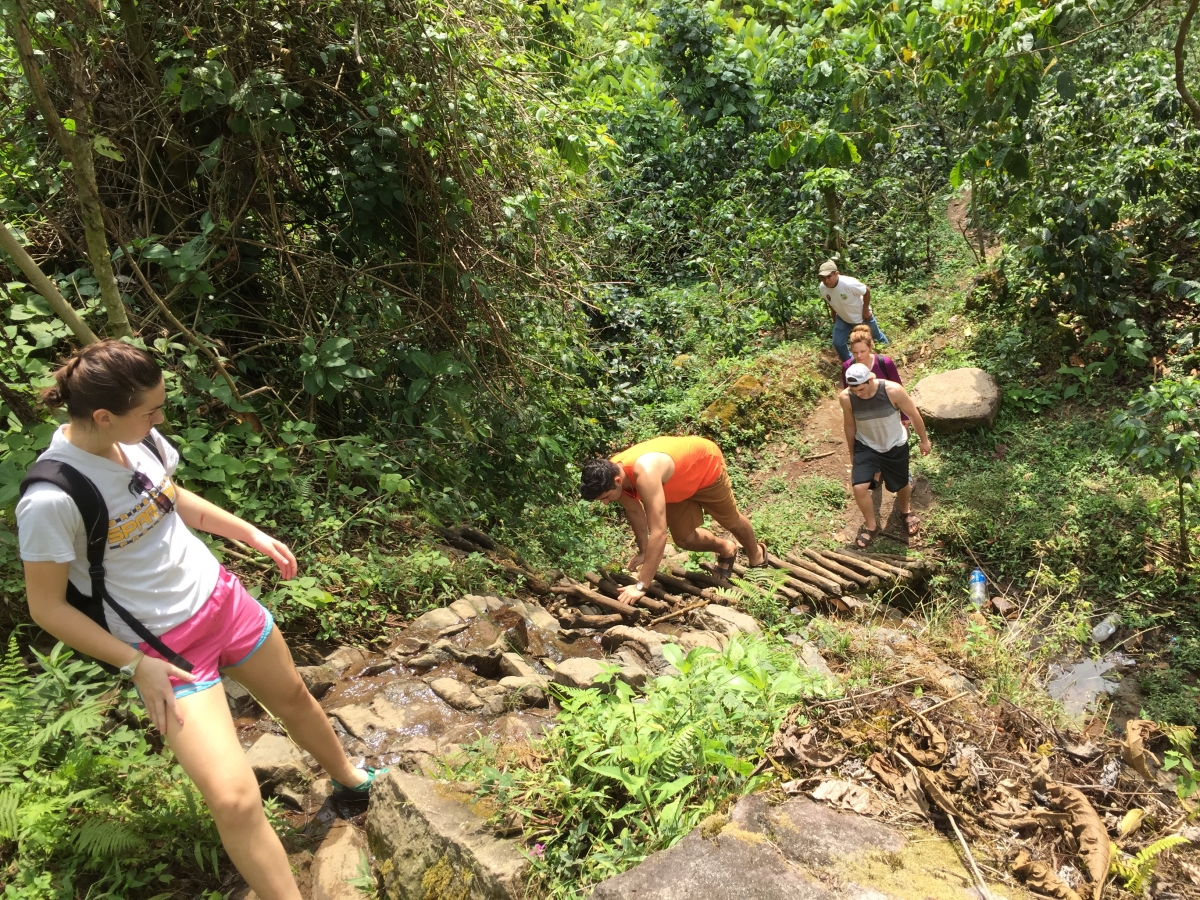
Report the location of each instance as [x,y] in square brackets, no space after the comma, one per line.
[207,748]
[270,675]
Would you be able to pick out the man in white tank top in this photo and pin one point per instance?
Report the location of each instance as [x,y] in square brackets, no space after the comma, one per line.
[878,441]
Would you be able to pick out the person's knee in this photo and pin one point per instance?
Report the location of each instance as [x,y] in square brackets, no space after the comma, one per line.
[687,540]
[292,698]
[861,490]
[234,801]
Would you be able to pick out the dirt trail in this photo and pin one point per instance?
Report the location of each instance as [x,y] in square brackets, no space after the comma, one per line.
[823,442]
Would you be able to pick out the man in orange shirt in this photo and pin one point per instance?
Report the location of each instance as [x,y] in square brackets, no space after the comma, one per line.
[671,482]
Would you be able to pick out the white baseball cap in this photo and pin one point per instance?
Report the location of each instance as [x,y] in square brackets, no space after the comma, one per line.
[857,374]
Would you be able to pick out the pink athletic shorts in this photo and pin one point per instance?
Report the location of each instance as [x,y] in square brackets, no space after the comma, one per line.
[225,632]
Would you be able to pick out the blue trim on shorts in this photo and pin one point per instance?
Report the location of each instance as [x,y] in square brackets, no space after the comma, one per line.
[186,690]
[266,632]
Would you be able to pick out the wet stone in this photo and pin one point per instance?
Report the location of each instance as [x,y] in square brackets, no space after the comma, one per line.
[456,695]
[435,620]
[580,672]
[408,645]
[318,679]
[513,664]
[345,658]
[464,609]
[336,862]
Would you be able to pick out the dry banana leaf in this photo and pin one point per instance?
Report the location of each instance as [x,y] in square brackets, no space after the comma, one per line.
[1088,829]
[806,747]
[1133,750]
[1038,876]
[905,787]
[846,795]
[934,750]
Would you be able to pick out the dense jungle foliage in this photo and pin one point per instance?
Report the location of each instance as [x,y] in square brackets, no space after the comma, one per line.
[408,262]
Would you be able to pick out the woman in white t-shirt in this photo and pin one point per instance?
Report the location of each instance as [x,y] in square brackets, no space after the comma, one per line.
[167,578]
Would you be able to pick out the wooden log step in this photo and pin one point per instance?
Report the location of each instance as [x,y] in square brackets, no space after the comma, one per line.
[652,590]
[899,571]
[868,582]
[828,585]
[587,595]
[682,586]
[701,578]
[846,584]
[610,589]
[512,573]
[860,564]
[813,593]
[573,618]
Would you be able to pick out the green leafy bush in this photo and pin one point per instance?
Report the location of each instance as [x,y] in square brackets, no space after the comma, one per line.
[88,806]
[622,776]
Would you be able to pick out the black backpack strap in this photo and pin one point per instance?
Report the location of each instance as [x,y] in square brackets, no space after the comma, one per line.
[94,512]
[152,445]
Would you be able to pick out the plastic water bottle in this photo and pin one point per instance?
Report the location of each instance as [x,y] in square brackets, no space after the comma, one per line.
[1106,629]
[978,588]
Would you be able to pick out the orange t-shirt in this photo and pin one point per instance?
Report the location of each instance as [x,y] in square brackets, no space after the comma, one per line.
[698,463]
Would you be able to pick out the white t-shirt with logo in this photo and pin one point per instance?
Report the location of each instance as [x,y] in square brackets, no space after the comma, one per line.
[846,298]
[154,566]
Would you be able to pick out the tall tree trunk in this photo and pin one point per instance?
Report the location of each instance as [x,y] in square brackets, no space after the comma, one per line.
[1185,553]
[77,148]
[1180,53]
[834,214]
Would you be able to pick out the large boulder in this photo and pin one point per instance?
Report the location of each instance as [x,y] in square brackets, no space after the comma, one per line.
[728,621]
[957,400]
[799,850]
[430,841]
[277,761]
[341,857]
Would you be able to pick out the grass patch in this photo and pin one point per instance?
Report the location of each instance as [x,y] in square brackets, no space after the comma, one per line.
[788,513]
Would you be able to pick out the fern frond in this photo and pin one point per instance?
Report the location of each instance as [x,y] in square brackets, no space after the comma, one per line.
[10,827]
[671,763]
[1137,869]
[105,839]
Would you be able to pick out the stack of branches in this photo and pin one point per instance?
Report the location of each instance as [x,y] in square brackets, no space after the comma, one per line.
[311,173]
[829,577]
[1025,795]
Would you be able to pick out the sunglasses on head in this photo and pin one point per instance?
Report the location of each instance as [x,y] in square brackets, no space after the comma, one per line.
[140,483]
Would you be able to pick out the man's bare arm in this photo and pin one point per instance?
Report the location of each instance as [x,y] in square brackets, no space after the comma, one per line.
[866,313]
[637,520]
[900,399]
[650,491]
[848,419]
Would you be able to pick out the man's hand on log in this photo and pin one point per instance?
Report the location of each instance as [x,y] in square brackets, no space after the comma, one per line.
[630,594]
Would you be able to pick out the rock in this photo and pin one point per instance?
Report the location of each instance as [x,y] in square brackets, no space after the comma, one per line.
[514,633]
[513,664]
[433,842]
[320,791]
[341,857]
[345,658]
[514,729]
[293,798]
[814,661]
[957,400]
[797,851]
[526,690]
[465,609]
[728,621]
[407,645]
[440,652]
[241,701]
[542,619]
[579,672]
[276,760]
[724,410]
[318,679]
[633,672]
[377,668]
[690,640]
[456,694]
[435,620]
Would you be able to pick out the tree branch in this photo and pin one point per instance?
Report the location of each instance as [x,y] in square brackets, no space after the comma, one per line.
[45,287]
[1180,52]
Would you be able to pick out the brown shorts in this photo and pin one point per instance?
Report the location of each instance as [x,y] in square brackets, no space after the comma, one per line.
[716,499]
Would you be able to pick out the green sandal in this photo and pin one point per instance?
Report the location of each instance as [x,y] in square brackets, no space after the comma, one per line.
[350,801]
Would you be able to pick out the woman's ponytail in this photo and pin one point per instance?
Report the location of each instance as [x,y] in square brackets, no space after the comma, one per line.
[108,375]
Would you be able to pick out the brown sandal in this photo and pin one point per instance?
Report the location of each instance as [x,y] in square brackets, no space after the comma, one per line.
[762,565]
[724,567]
[865,536]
